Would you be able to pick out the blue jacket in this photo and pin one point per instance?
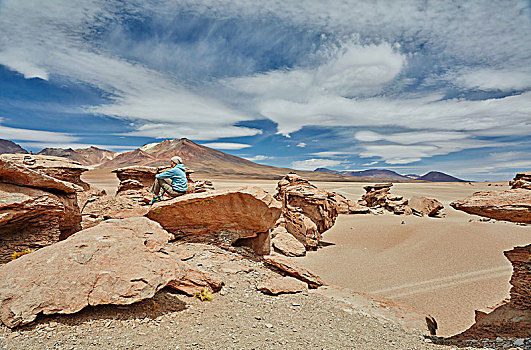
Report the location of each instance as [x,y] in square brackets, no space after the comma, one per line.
[177,174]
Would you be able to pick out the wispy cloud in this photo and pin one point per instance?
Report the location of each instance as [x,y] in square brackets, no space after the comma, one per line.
[226,145]
[312,164]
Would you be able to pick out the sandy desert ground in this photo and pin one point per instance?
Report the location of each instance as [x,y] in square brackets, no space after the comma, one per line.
[446,267]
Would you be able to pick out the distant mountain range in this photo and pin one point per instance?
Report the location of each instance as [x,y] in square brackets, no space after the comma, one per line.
[433,176]
[84,156]
[7,146]
[210,162]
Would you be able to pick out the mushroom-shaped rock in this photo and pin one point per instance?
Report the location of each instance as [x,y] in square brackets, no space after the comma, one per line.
[117,262]
[219,217]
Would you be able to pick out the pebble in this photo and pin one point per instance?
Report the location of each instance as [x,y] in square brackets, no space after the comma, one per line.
[519,342]
[268,325]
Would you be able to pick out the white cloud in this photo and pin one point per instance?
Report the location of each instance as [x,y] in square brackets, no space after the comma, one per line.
[34,135]
[331,154]
[370,163]
[518,78]
[301,144]
[258,158]
[226,145]
[312,164]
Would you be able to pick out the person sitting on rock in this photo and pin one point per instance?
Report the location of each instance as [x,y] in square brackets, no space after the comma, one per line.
[171,182]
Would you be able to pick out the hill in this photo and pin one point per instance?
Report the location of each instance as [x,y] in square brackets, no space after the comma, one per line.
[84,156]
[437,176]
[208,162]
[371,173]
[432,176]
[7,146]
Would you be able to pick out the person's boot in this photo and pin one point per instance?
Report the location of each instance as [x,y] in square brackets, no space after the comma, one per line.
[155,199]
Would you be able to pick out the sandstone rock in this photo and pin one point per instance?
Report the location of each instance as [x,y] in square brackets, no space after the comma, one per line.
[294,269]
[281,285]
[425,206]
[117,262]
[512,205]
[129,185]
[346,206]
[57,167]
[302,228]
[17,174]
[32,218]
[513,318]
[145,175]
[194,280]
[286,243]
[218,217]
[521,180]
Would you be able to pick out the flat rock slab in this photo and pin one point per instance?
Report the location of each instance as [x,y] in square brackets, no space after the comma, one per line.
[281,285]
[16,174]
[294,269]
[512,205]
[194,280]
[286,243]
[117,262]
[240,213]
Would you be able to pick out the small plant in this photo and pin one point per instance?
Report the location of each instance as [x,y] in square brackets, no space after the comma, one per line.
[17,255]
[204,294]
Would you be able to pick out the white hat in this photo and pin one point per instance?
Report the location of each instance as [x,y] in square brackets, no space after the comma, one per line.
[177,160]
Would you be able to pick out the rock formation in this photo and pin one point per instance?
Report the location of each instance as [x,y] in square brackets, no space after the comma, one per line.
[117,262]
[511,319]
[57,167]
[379,197]
[281,285]
[425,206]
[294,269]
[307,211]
[220,217]
[511,205]
[85,156]
[36,210]
[286,243]
[521,180]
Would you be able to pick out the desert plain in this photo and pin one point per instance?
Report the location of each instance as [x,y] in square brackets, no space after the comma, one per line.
[446,267]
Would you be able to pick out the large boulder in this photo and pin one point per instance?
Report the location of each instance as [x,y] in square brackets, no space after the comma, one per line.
[511,319]
[57,167]
[117,262]
[36,210]
[286,243]
[221,217]
[281,285]
[512,205]
[425,206]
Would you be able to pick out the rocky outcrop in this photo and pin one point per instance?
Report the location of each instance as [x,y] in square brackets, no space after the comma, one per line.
[294,269]
[425,206]
[346,206]
[512,205]
[219,217]
[57,167]
[194,280]
[511,319]
[36,210]
[521,180]
[281,285]
[379,196]
[286,243]
[117,262]
[307,211]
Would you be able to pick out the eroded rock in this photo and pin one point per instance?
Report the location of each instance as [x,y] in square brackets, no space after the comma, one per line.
[219,217]
[286,243]
[521,180]
[425,206]
[294,269]
[117,262]
[281,285]
[194,280]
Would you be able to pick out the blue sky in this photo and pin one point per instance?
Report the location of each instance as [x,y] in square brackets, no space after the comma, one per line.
[406,85]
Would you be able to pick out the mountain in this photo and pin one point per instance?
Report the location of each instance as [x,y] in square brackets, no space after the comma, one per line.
[206,161]
[372,173]
[7,146]
[437,176]
[84,156]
